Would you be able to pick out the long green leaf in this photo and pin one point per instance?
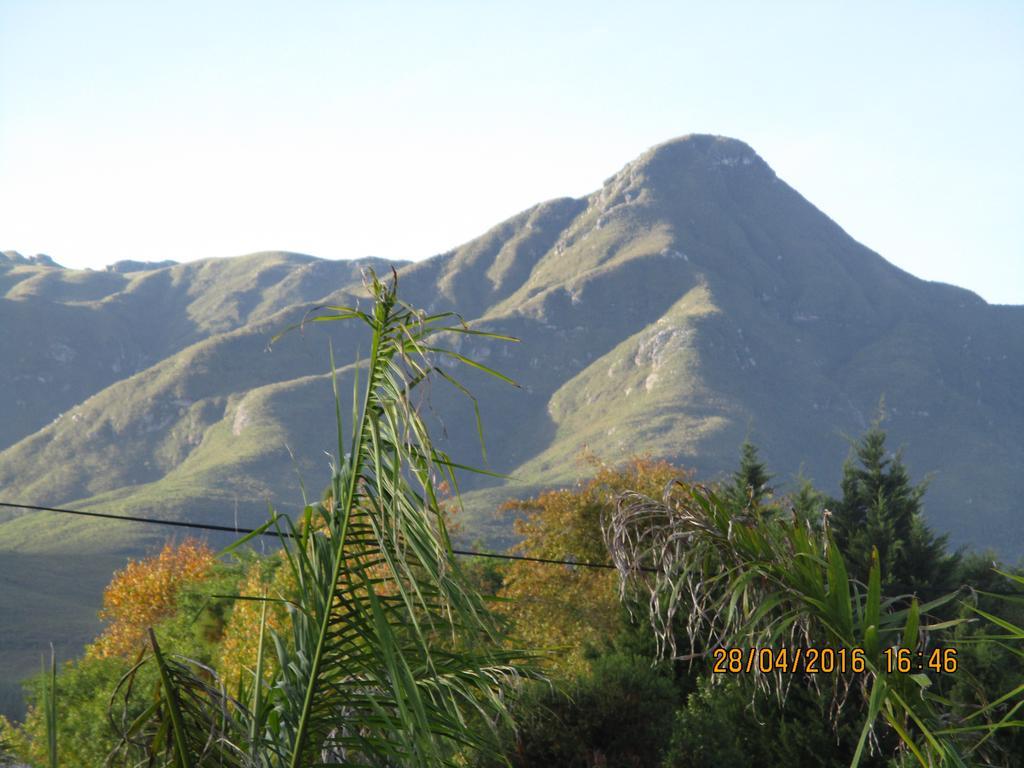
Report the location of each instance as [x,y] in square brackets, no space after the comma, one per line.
[182,756]
[875,701]
[50,708]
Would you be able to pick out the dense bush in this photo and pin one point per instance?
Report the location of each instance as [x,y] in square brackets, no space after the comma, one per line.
[732,724]
[617,713]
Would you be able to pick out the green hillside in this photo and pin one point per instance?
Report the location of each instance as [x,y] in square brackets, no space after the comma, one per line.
[693,300]
[69,334]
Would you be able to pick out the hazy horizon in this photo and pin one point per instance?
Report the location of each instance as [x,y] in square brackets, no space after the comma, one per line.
[343,131]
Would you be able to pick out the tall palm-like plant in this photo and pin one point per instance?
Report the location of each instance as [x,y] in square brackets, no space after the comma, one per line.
[733,579]
[389,658]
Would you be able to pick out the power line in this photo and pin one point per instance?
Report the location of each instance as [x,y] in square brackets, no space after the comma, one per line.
[278,534]
[286,535]
[150,520]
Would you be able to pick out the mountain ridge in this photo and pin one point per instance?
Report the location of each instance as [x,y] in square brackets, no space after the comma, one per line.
[693,300]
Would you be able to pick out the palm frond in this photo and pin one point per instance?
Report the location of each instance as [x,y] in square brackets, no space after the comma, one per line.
[388,657]
[394,645]
[740,580]
[190,721]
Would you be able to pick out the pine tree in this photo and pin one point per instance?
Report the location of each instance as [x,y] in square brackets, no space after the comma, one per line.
[808,502]
[880,508]
[749,487]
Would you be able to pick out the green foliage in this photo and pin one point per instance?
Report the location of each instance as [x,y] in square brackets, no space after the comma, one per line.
[752,581]
[486,575]
[564,608]
[749,486]
[88,733]
[387,654]
[714,728]
[746,724]
[990,666]
[880,509]
[6,750]
[85,732]
[609,378]
[50,710]
[808,503]
[617,713]
[733,724]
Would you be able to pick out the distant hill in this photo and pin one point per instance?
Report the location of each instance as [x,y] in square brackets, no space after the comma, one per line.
[69,334]
[693,300]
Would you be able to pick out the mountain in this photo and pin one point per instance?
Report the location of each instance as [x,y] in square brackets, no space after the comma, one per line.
[695,299]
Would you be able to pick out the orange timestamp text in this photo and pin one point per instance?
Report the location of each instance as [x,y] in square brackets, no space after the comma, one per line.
[828,660]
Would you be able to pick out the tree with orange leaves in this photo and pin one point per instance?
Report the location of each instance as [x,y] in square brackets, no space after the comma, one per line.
[146,591]
[568,607]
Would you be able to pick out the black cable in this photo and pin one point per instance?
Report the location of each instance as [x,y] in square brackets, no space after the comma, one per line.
[544,560]
[276,534]
[284,534]
[150,520]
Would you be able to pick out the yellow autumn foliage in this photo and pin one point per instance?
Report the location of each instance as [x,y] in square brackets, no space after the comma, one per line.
[569,608]
[144,592]
[268,578]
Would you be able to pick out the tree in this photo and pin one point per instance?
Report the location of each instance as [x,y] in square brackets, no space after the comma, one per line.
[565,607]
[808,503]
[881,509]
[146,591]
[749,487]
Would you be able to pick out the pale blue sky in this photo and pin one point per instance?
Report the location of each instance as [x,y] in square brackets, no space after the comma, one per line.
[192,129]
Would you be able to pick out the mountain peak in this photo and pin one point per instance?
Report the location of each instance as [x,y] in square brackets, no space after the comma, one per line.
[698,151]
[696,144]
[693,160]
